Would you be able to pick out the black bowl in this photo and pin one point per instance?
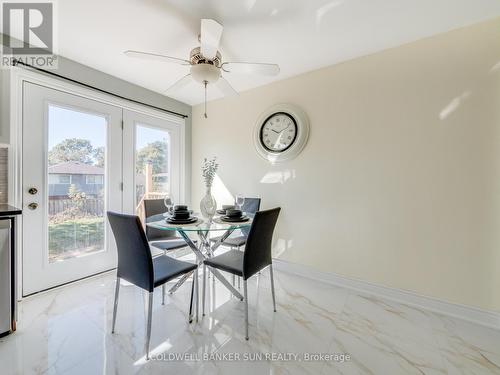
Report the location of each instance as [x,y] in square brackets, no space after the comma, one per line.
[233,213]
[181,214]
[180,208]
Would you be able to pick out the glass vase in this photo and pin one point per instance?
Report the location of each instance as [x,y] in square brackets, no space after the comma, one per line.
[208,205]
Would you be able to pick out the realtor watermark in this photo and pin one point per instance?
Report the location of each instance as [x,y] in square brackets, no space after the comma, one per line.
[28,34]
[253,357]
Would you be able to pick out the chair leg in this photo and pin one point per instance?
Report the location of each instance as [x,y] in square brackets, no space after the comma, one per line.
[239,278]
[148,324]
[115,307]
[204,290]
[196,286]
[234,279]
[246,307]
[163,294]
[191,302]
[272,286]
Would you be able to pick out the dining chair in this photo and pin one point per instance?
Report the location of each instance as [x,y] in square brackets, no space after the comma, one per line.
[255,257]
[250,206]
[137,266]
[165,240]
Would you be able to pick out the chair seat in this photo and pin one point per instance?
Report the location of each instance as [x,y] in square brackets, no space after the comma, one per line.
[231,241]
[166,268]
[168,243]
[231,261]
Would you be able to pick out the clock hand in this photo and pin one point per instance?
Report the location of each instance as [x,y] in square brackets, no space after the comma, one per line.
[284,129]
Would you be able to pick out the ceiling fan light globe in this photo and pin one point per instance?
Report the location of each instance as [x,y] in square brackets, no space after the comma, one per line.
[205,73]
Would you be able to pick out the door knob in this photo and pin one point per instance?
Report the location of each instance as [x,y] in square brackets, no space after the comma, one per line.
[33,190]
[33,206]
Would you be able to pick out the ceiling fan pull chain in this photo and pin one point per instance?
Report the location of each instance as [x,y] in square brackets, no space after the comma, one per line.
[205,82]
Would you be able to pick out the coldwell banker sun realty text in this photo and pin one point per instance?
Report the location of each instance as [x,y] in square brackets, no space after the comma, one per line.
[28,34]
[254,357]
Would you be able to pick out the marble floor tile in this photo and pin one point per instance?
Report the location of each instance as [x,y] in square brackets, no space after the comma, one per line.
[466,347]
[67,331]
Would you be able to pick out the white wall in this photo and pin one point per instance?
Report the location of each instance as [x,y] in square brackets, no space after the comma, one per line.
[399,183]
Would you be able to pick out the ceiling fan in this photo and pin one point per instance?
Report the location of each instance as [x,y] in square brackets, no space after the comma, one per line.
[205,62]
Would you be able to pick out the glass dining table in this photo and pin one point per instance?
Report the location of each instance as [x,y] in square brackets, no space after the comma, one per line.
[203,228]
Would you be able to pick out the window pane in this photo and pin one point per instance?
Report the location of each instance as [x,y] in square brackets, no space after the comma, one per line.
[64,179]
[75,207]
[152,163]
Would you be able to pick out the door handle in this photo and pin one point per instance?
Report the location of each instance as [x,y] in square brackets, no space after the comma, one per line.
[33,206]
[32,190]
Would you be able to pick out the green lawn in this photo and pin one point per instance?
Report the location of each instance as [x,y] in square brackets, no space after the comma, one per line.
[75,237]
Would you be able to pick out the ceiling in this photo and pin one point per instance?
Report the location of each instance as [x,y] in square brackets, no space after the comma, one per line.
[299,35]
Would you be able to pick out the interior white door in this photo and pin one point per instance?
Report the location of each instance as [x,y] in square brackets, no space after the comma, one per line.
[71,175]
[152,147]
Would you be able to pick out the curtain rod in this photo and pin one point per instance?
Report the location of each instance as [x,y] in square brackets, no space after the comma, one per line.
[17,62]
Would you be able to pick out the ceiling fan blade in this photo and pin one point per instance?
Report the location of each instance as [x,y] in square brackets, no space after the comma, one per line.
[251,68]
[211,32]
[155,56]
[180,84]
[226,88]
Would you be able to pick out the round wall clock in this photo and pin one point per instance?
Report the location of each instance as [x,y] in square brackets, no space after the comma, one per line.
[281,133]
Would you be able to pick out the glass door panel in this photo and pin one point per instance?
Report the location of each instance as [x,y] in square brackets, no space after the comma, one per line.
[153,146]
[152,164]
[76,171]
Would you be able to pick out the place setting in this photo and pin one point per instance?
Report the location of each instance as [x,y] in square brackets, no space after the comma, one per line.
[232,215]
[181,215]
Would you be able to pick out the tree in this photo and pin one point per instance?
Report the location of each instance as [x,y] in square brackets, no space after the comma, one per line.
[76,208]
[72,149]
[154,153]
[99,157]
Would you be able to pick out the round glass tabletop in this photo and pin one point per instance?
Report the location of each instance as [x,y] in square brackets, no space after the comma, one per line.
[159,222]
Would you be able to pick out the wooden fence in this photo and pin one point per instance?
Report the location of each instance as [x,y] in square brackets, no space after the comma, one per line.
[91,206]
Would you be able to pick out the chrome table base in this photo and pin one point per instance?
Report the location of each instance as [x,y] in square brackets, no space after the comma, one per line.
[204,251]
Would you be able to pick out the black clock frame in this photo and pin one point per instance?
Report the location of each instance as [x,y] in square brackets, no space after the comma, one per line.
[261,139]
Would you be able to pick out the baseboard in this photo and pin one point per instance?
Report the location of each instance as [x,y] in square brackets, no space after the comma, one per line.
[490,319]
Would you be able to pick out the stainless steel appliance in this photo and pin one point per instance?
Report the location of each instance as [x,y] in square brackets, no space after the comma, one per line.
[6,306]
[8,300]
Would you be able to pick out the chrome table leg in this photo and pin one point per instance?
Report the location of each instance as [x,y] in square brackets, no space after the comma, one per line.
[201,257]
[181,281]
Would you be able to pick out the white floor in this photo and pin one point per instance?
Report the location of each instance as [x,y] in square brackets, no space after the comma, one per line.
[67,331]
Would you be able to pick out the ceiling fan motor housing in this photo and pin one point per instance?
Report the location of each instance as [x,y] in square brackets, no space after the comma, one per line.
[205,70]
[197,58]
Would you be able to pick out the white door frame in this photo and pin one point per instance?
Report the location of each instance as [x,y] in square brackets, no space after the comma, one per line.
[20,75]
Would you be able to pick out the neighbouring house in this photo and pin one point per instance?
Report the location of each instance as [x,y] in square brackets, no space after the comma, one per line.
[86,178]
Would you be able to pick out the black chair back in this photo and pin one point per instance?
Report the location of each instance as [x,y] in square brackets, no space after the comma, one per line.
[156,207]
[250,206]
[258,247]
[135,263]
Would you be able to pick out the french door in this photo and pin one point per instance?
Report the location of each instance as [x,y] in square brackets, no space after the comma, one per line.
[81,158]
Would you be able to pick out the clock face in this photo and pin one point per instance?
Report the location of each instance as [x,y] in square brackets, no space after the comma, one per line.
[278,132]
